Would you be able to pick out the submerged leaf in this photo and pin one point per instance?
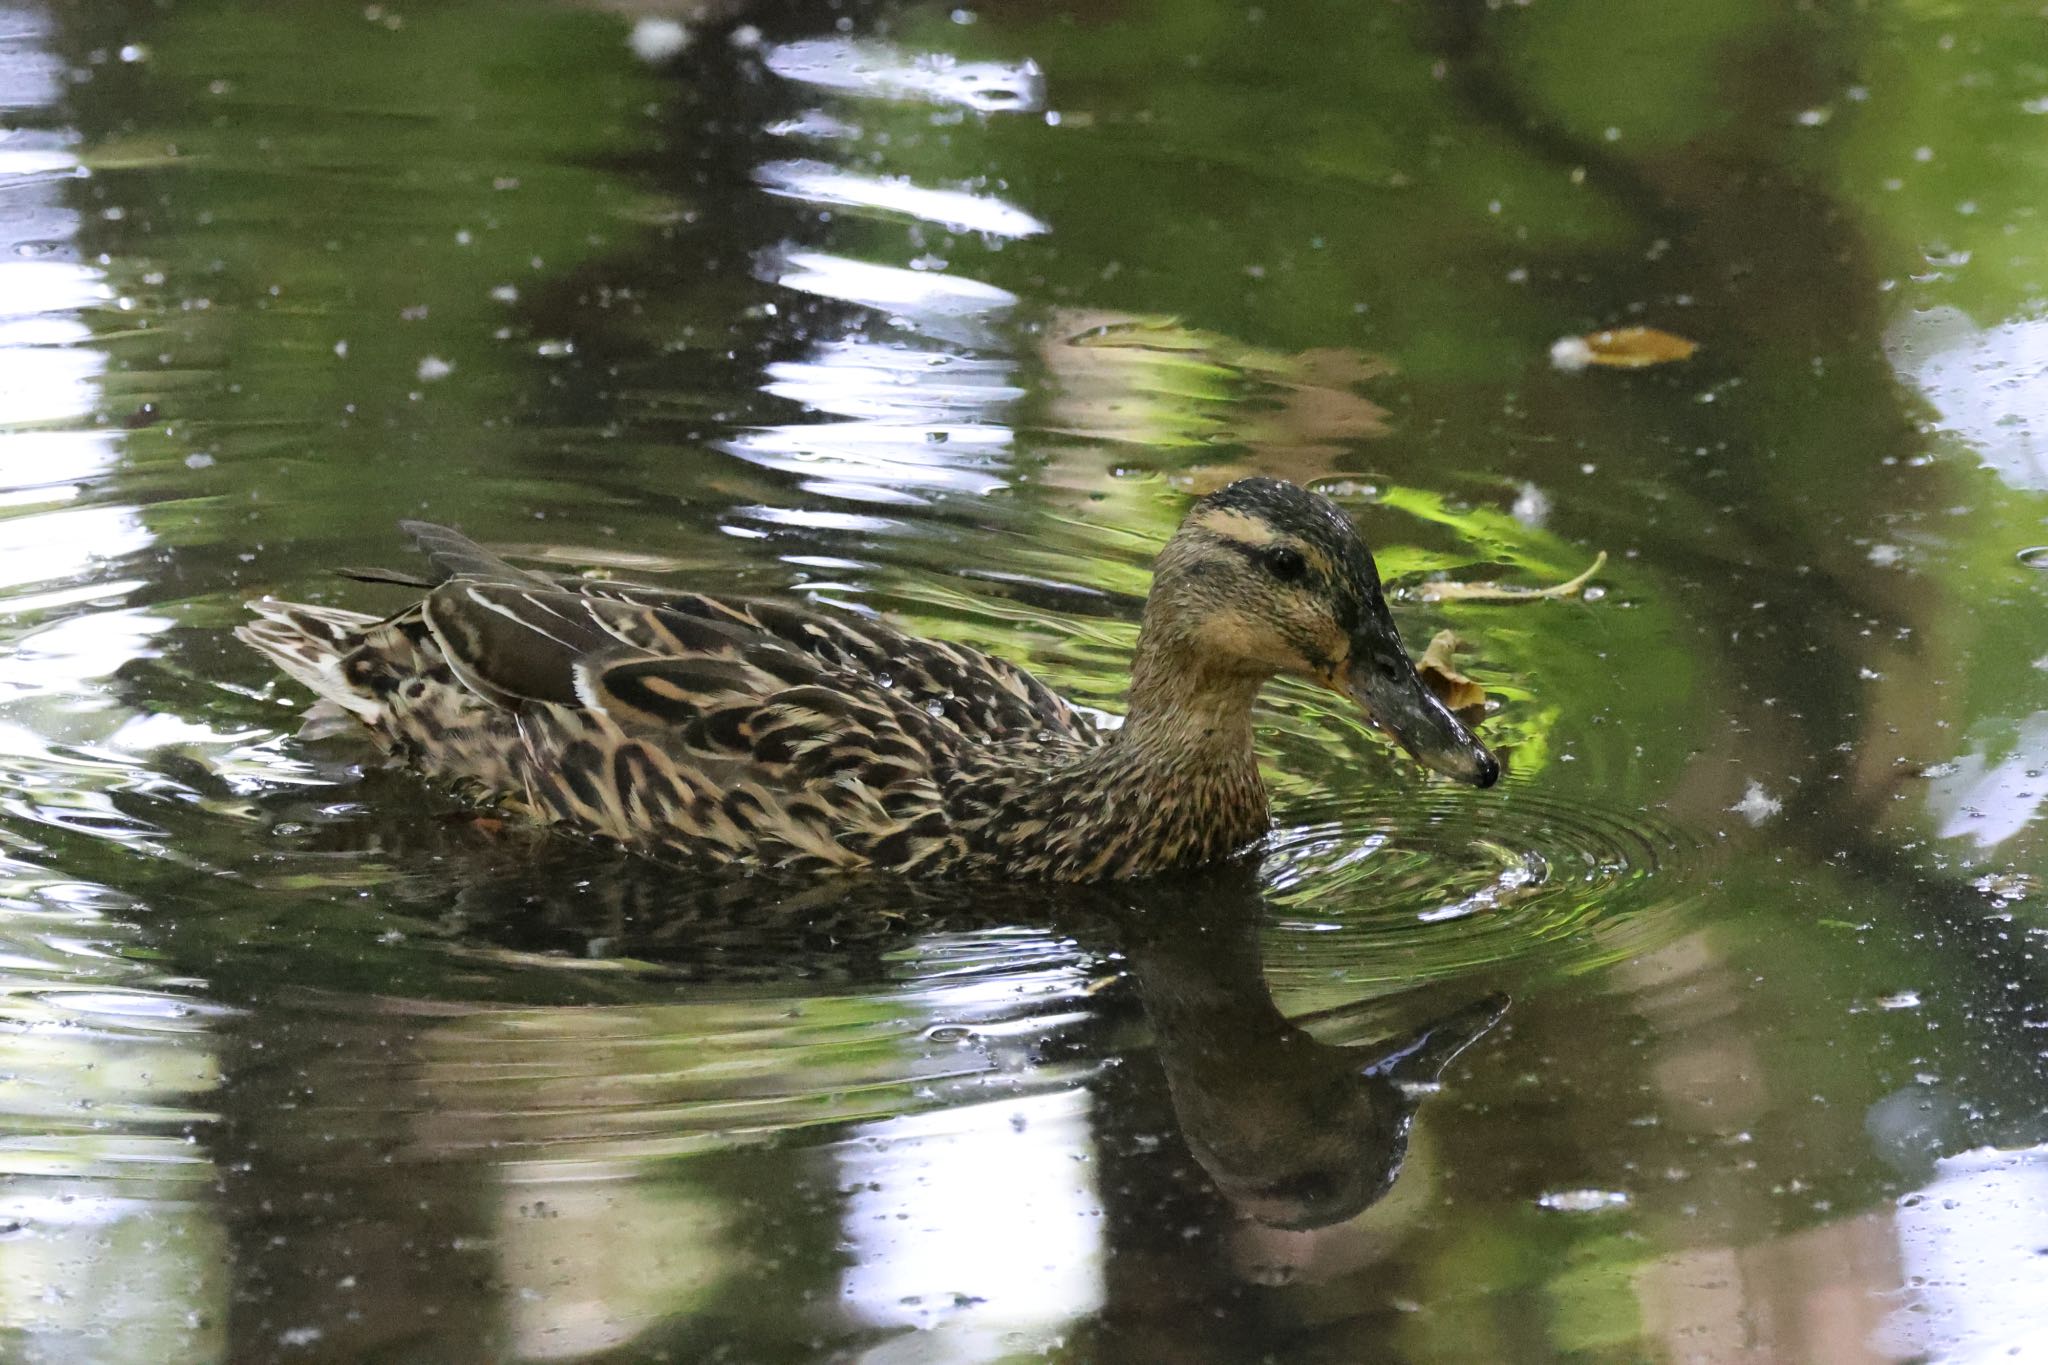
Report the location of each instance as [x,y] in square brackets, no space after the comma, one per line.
[1496,592]
[1625,348]
[1439,671]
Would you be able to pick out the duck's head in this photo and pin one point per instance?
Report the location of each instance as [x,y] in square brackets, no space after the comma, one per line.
[1265,577]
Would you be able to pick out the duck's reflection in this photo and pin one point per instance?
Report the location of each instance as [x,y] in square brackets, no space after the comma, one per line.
[962,1114]
[1295,1132]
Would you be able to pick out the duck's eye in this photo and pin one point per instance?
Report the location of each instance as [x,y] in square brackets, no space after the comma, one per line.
[1286,564]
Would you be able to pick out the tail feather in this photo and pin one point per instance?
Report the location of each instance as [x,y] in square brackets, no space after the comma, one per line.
[308,643]
[455,555]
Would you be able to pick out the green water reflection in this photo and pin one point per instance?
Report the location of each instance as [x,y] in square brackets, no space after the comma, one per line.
[945,313]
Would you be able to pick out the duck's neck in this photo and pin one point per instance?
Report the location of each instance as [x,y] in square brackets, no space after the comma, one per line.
[1181,775]
[1185,712]
[1177,786]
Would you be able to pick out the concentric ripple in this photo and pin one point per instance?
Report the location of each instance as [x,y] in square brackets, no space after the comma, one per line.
[1399,886]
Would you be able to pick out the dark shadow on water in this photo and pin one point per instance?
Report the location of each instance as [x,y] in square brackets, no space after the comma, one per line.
[431,1154]
[1293,1131]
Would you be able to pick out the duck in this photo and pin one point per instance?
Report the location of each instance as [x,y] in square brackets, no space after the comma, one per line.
[756,733]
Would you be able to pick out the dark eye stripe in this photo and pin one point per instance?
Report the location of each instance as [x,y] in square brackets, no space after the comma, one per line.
[1264,555]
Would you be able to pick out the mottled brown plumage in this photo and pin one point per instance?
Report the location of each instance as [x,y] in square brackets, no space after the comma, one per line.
[730,731]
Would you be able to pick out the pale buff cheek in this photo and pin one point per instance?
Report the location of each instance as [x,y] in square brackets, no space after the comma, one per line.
[1329,653]
[1228,635]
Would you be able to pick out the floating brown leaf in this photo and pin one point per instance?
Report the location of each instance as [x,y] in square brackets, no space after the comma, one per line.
[1497,592]
[1440,675]
[1624,348]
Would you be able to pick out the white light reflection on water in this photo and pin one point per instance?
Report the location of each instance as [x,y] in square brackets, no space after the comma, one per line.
[1973,1246]
[880,71]
[49,375]
[113,1250]
[139,1269]
[1989,384]
[63,627]
[1989,802]
[597,1132]
[929,302]
[921,420]
[109,1198]
[926,1195]
[922,1199]
[818,183]
[856,378]
[1951,1273]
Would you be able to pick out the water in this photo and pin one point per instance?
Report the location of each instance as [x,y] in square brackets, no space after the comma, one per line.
[1720,1027]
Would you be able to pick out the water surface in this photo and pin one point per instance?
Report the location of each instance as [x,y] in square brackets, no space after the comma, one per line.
[1718,1031]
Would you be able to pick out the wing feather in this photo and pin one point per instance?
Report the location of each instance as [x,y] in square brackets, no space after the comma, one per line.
[718,728]
[510,644]
[984,697]
[455,555]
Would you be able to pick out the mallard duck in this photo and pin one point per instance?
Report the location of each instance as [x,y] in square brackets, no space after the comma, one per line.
[752,732]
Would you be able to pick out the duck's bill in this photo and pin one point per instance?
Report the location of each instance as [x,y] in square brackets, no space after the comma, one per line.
[1383,681]
[1419,1058]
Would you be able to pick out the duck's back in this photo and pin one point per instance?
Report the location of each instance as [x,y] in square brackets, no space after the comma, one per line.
[716,729]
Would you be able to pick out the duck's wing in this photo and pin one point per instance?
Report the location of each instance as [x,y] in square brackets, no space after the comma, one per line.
[983,698]
[663,726]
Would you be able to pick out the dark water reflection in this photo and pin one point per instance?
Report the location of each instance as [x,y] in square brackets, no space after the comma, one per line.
[944,314]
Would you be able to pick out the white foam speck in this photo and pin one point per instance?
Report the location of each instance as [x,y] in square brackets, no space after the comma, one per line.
[1571,354]
[656,40]
[1757,805]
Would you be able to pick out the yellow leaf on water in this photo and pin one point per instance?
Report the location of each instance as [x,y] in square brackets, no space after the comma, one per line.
[1624,348]
[1439,671]
[1499,592]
